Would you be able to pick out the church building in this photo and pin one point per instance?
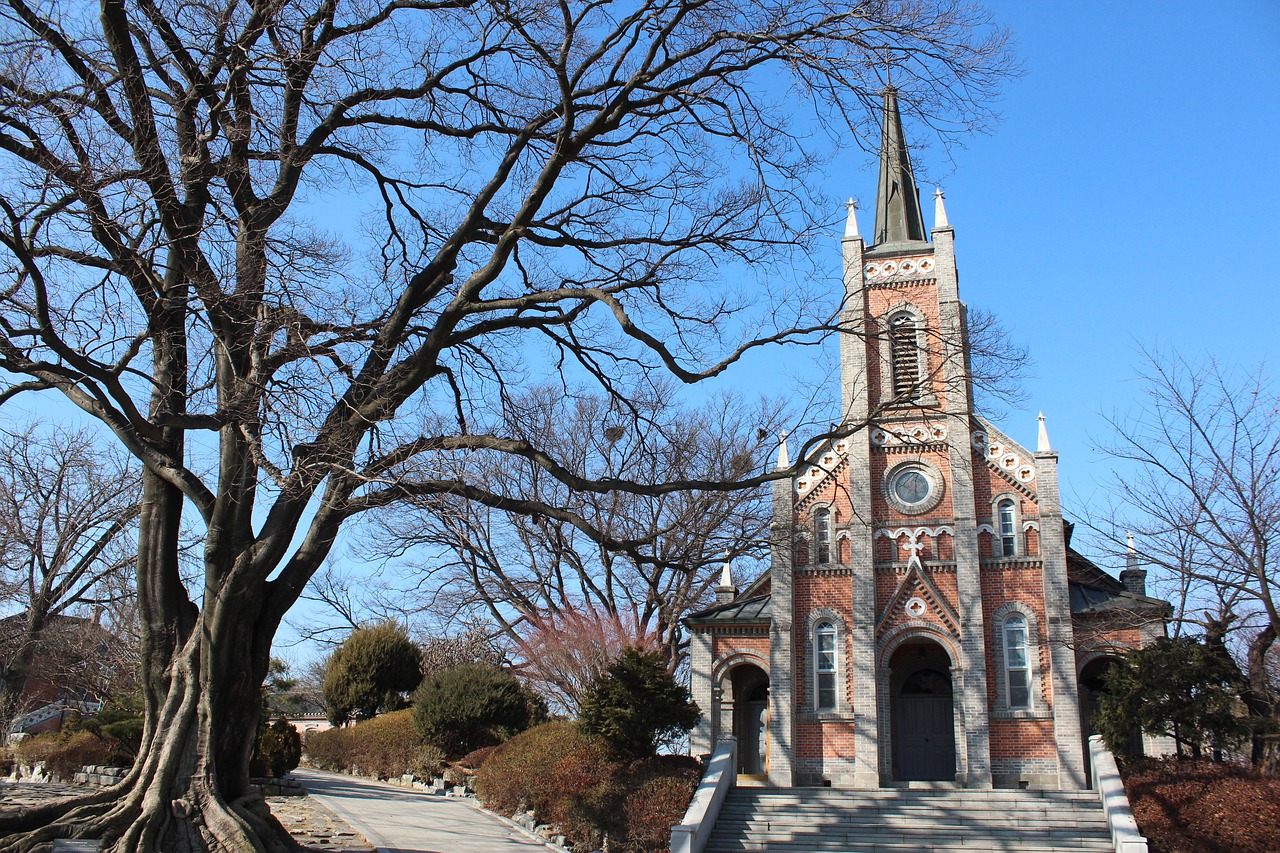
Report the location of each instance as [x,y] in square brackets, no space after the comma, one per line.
[923,618]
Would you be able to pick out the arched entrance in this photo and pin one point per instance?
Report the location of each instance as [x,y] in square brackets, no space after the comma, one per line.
[924,744]
[1092,687]
[750,685]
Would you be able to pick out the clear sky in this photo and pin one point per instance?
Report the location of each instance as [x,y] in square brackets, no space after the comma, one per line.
[1130,196]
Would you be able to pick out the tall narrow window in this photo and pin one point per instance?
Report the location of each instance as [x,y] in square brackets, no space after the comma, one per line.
[825,664]
[822,534]
[1017,670]
[904,351]
[1008,533]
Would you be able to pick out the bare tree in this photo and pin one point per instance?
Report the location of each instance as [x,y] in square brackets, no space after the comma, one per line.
[536,575]
[566,190]
[68,543]
[1200,489]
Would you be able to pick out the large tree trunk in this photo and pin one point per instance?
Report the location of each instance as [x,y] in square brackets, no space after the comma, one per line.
[1263,705]
[189,789]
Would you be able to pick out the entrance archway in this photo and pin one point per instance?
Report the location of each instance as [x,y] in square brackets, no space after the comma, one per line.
[1092,687]
[750,686]
[924,745]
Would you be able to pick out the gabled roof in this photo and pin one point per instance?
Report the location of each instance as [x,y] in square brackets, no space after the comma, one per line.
[742,611]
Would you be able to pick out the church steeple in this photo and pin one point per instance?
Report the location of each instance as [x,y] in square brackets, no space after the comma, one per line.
[898,218]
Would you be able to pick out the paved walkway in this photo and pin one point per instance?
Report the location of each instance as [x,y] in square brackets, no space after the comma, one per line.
[400,820]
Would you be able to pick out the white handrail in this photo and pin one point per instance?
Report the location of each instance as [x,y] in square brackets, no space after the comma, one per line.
[1115,803]
[691,834]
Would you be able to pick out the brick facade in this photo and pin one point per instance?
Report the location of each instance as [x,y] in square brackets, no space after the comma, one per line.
[930,548]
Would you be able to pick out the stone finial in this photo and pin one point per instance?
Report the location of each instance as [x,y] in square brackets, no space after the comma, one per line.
[726,591]
[1133,577]
[784,458]
[939,209]
[1042,440]
[851,224]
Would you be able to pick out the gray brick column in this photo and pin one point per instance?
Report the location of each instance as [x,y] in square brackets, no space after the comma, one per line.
[856,407]
[1057,604]
[972,680]
[781,687]
[702,738]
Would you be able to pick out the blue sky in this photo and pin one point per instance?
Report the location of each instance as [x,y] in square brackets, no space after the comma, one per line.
[1129,197]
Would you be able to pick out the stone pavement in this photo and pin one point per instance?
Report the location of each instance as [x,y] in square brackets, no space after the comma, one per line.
[399,820]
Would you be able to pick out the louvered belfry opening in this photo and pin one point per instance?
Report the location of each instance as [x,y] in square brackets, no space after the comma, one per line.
[905,353]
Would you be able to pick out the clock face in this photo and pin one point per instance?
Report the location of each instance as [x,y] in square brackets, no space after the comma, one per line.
[911,487]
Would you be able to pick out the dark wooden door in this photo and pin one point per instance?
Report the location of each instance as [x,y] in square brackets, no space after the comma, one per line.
[926,734]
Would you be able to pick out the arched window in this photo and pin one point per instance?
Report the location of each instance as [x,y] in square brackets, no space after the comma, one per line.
[824,664]
[1017,669]
[1008,531]
[822,534]
[904,355]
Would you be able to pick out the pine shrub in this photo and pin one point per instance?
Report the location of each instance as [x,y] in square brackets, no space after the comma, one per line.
[471,706]
[278,750]
[371,672]
[638,705]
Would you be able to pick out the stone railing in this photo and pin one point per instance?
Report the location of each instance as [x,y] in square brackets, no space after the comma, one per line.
[1115,803]
[691,834]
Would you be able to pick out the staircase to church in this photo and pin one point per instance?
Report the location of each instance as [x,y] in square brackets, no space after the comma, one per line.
[827,820]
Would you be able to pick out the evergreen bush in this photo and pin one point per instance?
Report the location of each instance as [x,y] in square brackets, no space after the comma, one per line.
[370,672]
[637,705]
[1175,687]
[278,750]
[471,706]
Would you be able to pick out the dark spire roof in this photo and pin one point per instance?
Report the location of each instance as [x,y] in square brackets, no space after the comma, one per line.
[898,218]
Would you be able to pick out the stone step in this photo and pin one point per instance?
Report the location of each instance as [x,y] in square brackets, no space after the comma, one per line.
[907,795]
[933,845]
[992,819]
[824,820]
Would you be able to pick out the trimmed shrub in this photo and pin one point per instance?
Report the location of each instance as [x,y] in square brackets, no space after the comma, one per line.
[278,750]
[386,746]
[637,705]
[653,808]
[63,753]
[370,672]
[567,778]
[476,758]
[329,750]
[469,707]
[540,768]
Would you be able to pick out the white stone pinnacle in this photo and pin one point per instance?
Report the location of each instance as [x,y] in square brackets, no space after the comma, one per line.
[851,224]
[726,574]
[784,458]
[939,209]
[1129,538]
[1042,441]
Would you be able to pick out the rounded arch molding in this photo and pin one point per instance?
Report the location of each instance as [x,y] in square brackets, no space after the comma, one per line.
[736,658]
[916,630]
